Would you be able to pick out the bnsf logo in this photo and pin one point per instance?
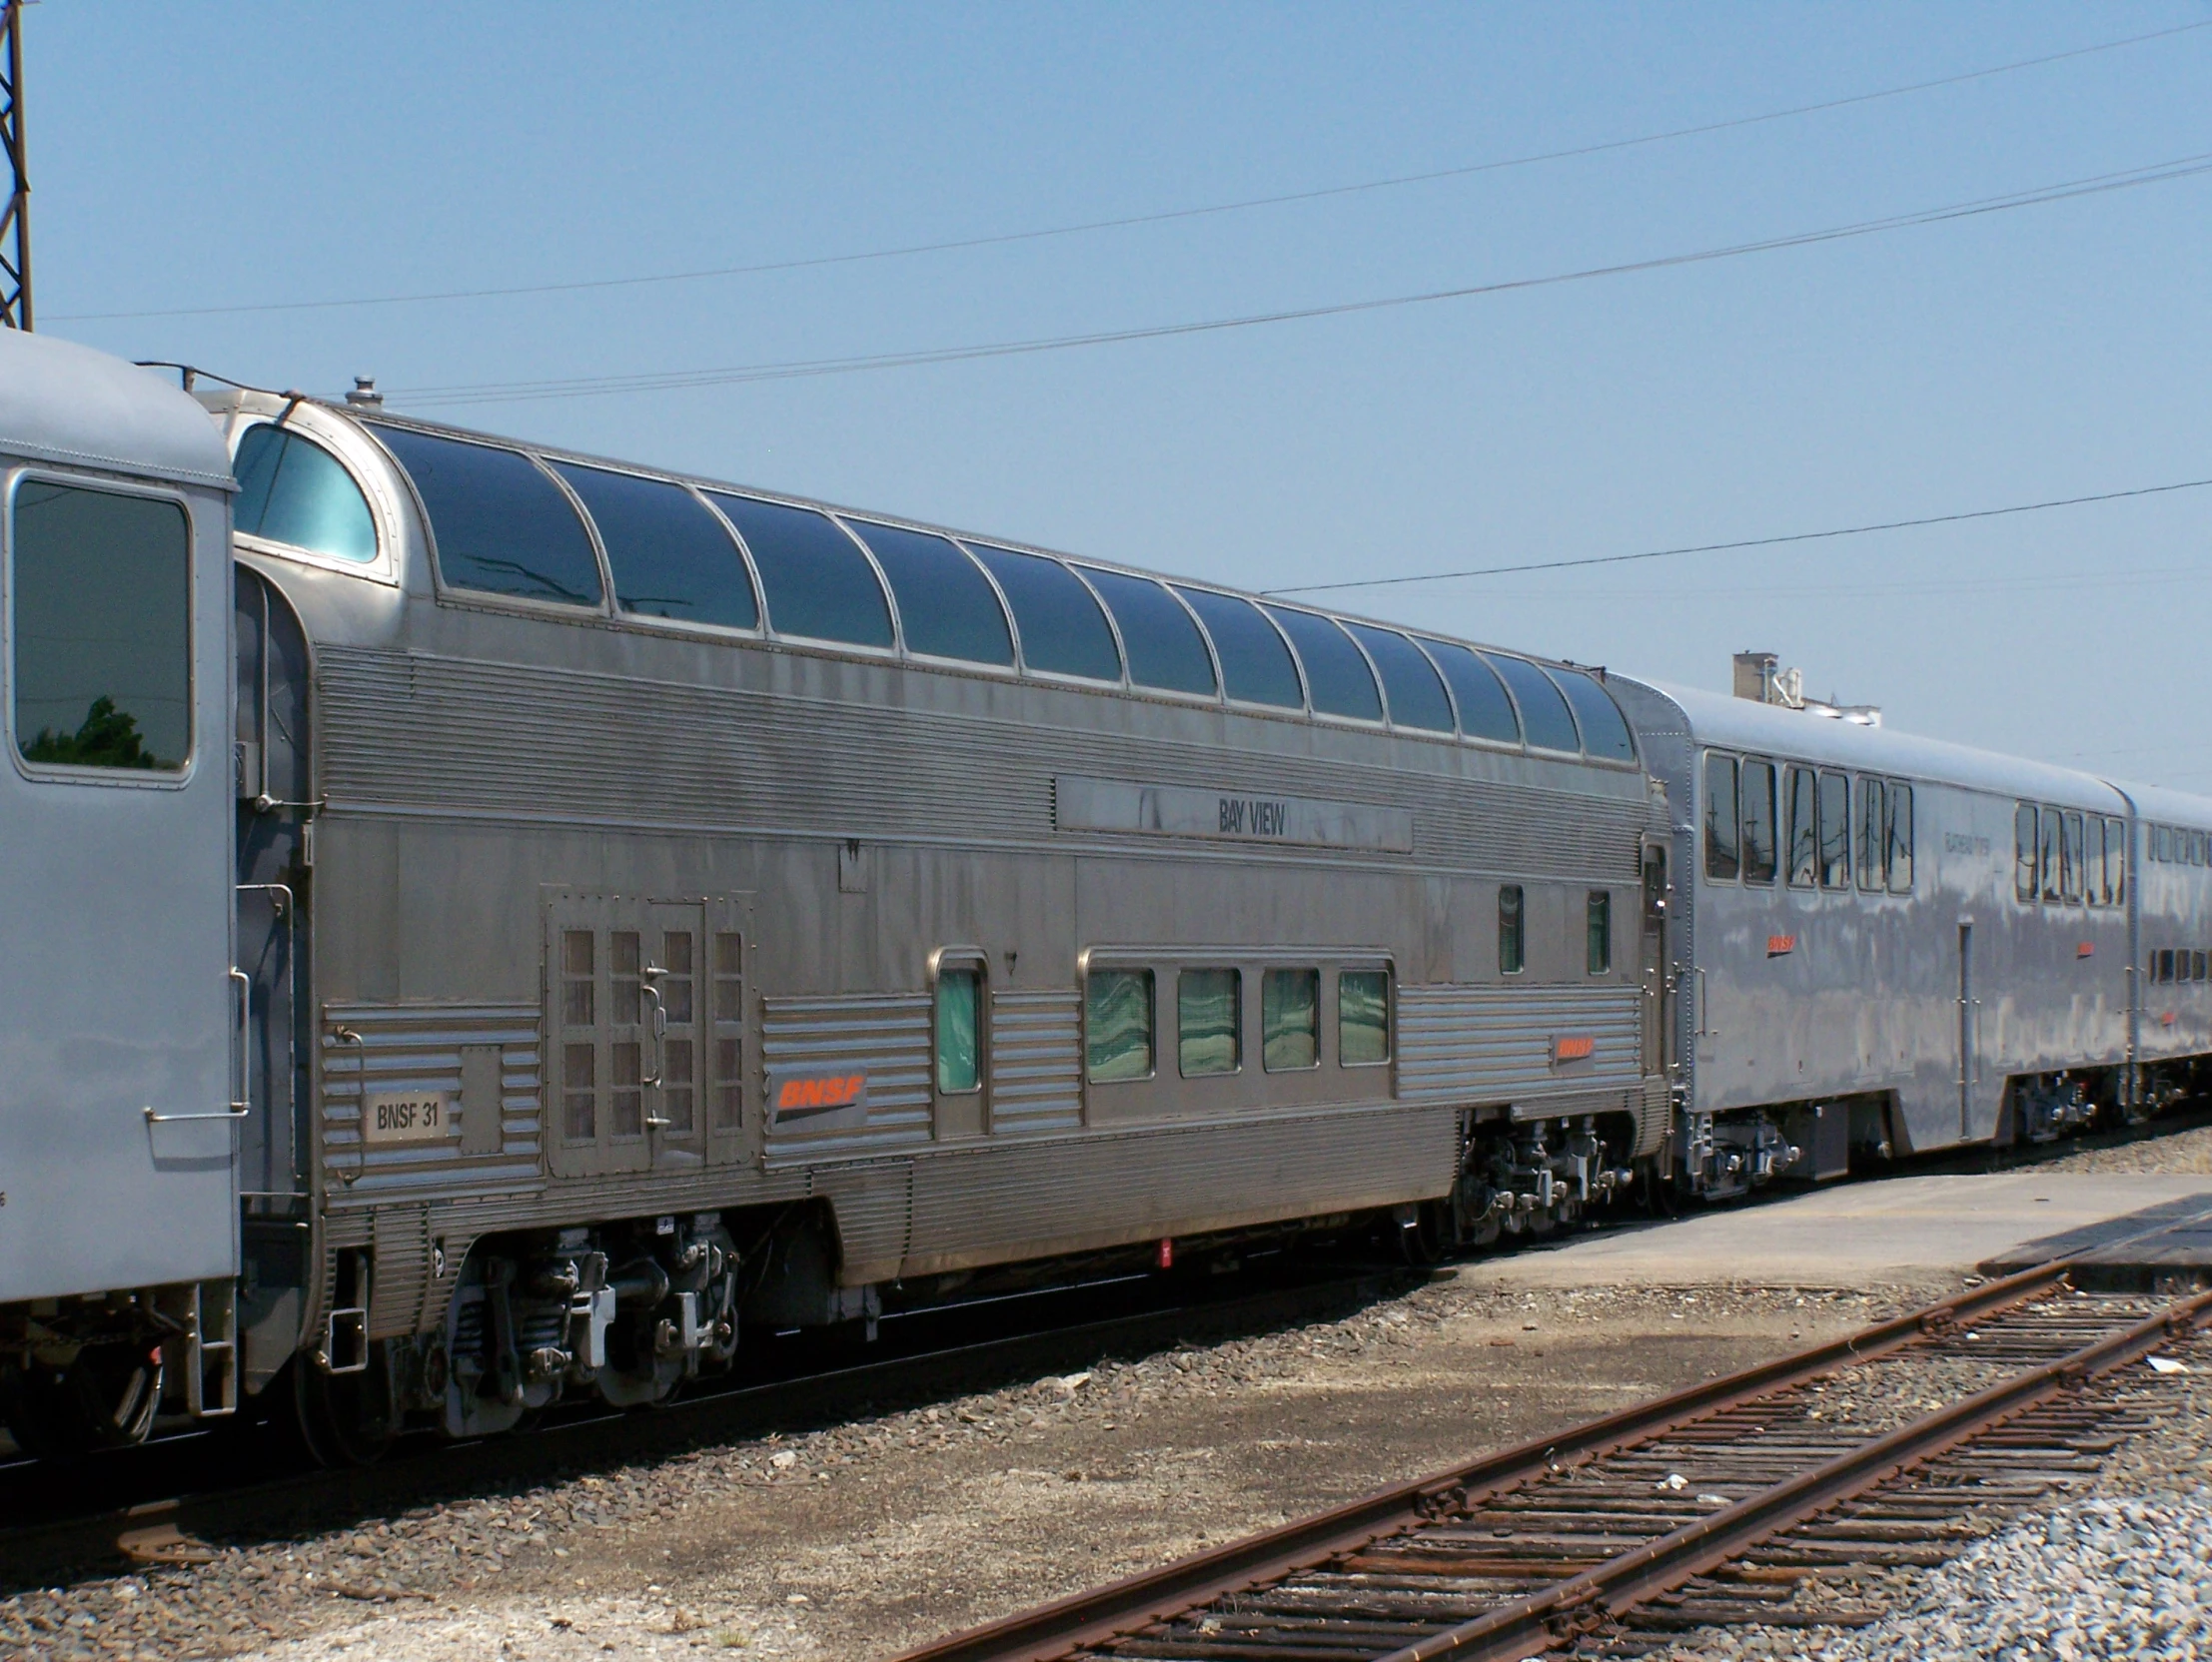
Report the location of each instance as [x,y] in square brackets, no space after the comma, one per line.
[1574,1050]
[837,1090]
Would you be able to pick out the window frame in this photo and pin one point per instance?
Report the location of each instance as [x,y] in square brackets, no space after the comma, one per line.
[1809,882]
[856,527]
[2027,842]
[64,773]
[1900,793]
[1129,682]
[962,960]
[1514,927]
[1377,723]
[1269,973]
[1117,965]
[365,461]
[1389,1011]
[768,629]
[1235,972]
[1870,838]
[648,622]
[1822,779]
[1302,710]
[1775,775]
[1705,819]
[1596,906]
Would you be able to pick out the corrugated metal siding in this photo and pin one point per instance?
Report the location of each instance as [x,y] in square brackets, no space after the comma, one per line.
[875,1207]
[1036,1062]
[1066,1194]
[417,1047]
[887,1035]
[413,730]
[1488,1044]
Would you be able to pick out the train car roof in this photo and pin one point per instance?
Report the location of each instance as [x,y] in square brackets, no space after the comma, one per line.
[2162,802]
[1743,724]
[70,405]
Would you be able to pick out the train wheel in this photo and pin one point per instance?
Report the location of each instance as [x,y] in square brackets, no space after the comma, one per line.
[106,1399]
[345,1419]
[1426,1236]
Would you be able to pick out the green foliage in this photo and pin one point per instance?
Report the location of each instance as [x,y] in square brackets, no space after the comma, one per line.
[108,738]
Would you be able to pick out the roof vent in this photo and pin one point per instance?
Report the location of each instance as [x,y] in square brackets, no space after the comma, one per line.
[364,393]
[1761,678]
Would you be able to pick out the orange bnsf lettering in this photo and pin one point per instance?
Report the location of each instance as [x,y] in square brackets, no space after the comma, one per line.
[1574,1049]
[788,1097]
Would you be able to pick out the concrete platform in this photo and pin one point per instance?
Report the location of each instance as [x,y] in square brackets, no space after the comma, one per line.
[2162,1248]
[1897,1229]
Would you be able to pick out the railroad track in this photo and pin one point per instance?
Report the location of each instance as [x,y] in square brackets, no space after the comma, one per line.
[1746,1499]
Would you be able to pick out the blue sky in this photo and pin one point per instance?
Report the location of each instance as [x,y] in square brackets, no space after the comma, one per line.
[251,155]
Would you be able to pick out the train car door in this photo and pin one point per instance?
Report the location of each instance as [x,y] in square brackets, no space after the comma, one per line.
[1969,1064]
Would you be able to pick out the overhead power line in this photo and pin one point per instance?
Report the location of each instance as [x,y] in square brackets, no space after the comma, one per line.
[1161,216]
[522,392]
[1745,543]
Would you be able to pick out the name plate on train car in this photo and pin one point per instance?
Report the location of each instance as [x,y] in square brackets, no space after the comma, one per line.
[406,1116]
[1081,805]
[818,1098]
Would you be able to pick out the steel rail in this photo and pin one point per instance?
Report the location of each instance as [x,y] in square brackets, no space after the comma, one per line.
[1090,1618]
[1558,1615]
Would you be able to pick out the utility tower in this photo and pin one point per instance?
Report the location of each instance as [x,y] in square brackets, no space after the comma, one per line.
[15,218]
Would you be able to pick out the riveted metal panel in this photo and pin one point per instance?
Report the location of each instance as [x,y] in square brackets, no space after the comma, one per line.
[1488,1044]
[1036,1062]
[885,1037]
[417,1046]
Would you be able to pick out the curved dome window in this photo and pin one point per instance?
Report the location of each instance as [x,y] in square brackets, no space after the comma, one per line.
[501,524]
[820,585]
[1341,681]
[1062,630]
[1485,710]
[1415,695]
[670,555]
[946,604]
[292,491]
[1164,645]
[1604,732]
[1542,710]
[1254,660]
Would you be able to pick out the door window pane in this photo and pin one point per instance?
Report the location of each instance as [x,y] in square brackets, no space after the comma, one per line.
[1485,710]
[1254,661]
[579,1122]
[1835,831]
[1117,1024]
[1598,920]
[501,525]
[946,605]
[676,979]
[1900,839]
[626,1096]
[1874,810]
[292,491]
[1604,732]
[1164,646]
[102,599]
[819,585]
[1512,938]
[1290,1020]
[2023,851]
[678,1087]
[1722,856]
[578,981]
[670,556]
[1363,1018]
[1209,1022]
[959,1004]
[2069,855]
[1805,830]
[1758,822]
[2050,855]
[1337,675]
[1062,630]
[1410,680]
[1543,711]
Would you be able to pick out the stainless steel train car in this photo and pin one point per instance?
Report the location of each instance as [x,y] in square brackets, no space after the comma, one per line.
[669,909]
[1892,944]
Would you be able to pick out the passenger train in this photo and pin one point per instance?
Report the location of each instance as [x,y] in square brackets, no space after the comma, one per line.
[499,924]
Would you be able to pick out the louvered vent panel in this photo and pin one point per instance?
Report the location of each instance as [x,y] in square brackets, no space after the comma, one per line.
[1036,1063]
[887,1036]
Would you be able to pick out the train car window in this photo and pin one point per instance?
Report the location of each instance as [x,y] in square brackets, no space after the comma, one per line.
[2023,851]
[1062,630]
[1512,933]
[1598,931]
[1605,731]
[1415,692]
[1117,1025]
[292,491]
[1835,831]
[819,585]
[946,605]
[2162,965]
[1254,663]
[2069,855]
[2196,848]
[1874,814]
[1336,674]
[2115,858]
[1900,839]
[2092,862]
[2052,837]
[1164,646]
[670,555]
[1290,1020]
[501,525]
[959,1011]
[1543,712]
[1363,1018]
[1486,712]
[101,628]
[1758,822]
[1209,1022]
[2196,966]
[1805,830]
[1722,851]
[2158,843]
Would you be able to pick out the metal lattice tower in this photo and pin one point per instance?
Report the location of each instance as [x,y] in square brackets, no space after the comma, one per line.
[15,219]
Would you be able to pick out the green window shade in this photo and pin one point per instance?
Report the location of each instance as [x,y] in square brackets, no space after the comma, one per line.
[1363,1017]
[1118,1025]
[1290,1020]
[1209,1017]
[1511,942]
[959,1005]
